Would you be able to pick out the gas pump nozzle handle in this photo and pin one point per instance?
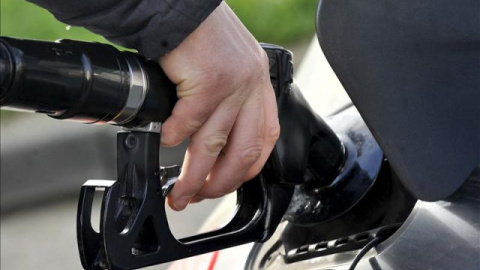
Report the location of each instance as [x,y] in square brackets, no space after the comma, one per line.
[96,83]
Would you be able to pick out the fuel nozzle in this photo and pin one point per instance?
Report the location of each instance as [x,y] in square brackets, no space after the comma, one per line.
[96,83]
[332,163]
[309,152]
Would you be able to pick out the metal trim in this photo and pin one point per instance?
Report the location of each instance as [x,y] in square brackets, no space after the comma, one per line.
[136,95]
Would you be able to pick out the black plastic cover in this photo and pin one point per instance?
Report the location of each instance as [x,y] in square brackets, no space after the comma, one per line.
[412,68]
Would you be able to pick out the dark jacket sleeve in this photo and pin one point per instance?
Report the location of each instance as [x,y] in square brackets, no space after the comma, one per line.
[153,27]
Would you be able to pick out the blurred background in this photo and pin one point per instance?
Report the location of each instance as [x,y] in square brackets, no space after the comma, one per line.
[44,162]
[281,22]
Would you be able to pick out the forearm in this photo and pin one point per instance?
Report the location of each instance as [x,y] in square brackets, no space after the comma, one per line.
[153,27]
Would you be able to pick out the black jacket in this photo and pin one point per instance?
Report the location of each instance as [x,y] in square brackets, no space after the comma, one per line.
[153,27]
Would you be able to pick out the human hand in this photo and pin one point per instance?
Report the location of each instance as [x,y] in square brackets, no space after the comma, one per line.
[226,106]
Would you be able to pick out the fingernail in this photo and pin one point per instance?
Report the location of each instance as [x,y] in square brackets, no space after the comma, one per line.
[181,203]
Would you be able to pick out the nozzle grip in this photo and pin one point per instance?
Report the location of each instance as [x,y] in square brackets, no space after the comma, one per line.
[83,81]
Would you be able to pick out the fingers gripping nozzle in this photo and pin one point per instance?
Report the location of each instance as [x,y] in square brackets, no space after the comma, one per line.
[134,231]
[96,83]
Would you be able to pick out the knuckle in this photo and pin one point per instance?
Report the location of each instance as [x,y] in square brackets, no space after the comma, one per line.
[253,70]
[264,66]
[191,126]
[213,144]
[251,152]
[273,132]
[264,61]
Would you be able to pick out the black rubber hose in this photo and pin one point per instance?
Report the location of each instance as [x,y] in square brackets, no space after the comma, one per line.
[375,241]
[6,72]
[83,81]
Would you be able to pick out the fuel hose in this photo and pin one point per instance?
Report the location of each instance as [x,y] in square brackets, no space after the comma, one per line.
[83,81]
